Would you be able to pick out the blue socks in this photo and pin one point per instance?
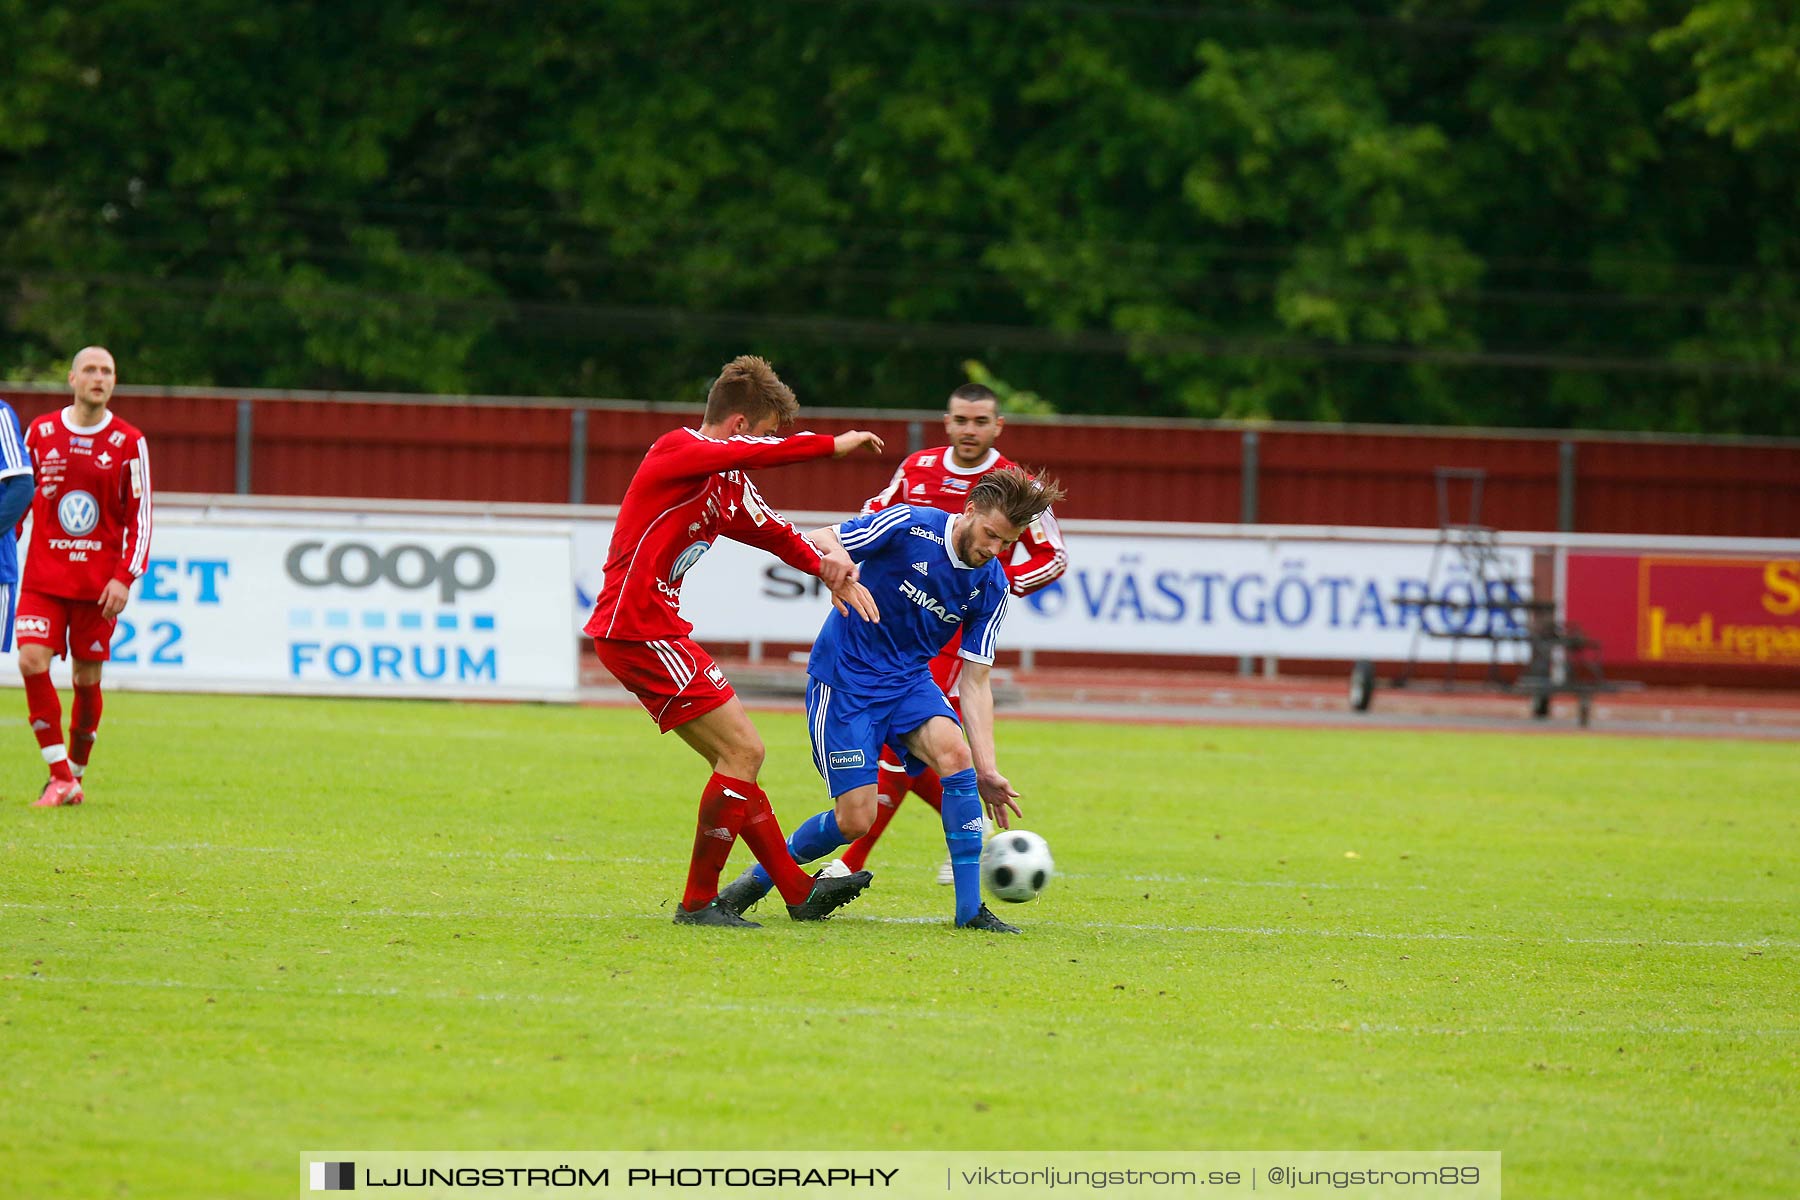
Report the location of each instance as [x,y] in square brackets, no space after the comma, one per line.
[962,833]
[815,837]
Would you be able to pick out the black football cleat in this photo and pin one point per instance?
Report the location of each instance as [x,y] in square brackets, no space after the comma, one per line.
[985,920]
[829,894]
[743,893]
[715,914]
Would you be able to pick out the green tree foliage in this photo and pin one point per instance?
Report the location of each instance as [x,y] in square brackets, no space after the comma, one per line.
[1572,213]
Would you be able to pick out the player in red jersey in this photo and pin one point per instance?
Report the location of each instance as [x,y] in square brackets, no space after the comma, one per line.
[942,477]
[90,540]
[690,490]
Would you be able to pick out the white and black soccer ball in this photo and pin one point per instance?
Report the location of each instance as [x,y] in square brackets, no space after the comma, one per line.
[1016,866]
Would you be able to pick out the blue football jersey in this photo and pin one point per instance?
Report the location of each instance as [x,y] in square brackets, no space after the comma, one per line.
[13,461]
[924,593]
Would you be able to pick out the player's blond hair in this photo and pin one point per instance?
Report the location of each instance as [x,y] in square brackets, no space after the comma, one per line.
[750,386]
[1016,494]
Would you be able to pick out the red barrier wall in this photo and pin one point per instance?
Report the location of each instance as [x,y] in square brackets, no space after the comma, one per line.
[519,450]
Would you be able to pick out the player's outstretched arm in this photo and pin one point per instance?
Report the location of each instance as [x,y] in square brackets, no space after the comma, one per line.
[854,440]
[1044,560]
[978,724]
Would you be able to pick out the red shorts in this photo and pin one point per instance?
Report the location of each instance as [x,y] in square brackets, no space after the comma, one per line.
[66,626]
[675,679]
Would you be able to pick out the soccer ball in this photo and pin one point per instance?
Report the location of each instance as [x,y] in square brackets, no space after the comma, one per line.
[1016,865]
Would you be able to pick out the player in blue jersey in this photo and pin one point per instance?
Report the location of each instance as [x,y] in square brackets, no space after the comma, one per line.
[16,489]
[870,683]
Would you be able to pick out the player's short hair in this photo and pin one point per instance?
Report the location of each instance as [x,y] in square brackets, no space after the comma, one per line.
[750,386]
[975,393]
[1016,494]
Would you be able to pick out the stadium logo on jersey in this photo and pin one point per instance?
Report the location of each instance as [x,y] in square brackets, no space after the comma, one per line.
[686,559]
[928,602]
[844,759]
[928,535]
[78,513]
[922,568]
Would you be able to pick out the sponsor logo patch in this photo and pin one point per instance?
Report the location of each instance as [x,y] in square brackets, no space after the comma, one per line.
[37,625]
[78,513]
[686,559]
[956,485]
[841,759]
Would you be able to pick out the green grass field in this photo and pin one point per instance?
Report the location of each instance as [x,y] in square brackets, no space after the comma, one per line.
[283,924]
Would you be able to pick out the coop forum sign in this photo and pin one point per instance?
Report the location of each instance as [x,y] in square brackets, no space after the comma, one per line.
[301,603]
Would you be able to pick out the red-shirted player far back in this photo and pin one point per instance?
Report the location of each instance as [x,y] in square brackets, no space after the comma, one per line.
[90,541]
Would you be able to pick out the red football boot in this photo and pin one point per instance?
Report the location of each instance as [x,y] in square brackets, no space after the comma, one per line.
[59,793]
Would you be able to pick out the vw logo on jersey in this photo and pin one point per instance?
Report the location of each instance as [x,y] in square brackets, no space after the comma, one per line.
[78,513]
[688,558]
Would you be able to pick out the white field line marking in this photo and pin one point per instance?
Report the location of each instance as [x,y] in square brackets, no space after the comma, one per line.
[599,999]
[349,912]
[642,861]
[192,847]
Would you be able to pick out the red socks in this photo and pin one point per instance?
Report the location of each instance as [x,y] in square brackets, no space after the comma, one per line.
[84,723]
[929,788]
[762,833]
[722,810]
[45,709]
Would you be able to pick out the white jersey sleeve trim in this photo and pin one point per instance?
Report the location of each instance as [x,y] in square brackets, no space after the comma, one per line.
[146,518]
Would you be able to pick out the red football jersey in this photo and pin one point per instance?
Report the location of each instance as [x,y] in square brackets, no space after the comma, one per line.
[689,490]
[932,478]
[91,517]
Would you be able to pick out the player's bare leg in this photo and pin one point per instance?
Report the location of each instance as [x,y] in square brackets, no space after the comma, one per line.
[733,805]
[44,708]
[890,791]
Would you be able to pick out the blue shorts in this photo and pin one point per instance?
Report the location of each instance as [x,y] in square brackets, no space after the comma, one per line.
[849,730]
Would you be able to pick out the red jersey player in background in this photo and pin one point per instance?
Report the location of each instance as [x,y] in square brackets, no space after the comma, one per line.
[690,490]
[941,477]
[90,540]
